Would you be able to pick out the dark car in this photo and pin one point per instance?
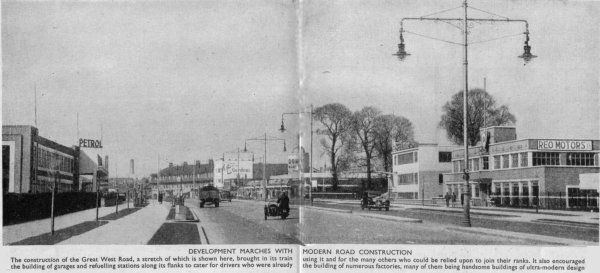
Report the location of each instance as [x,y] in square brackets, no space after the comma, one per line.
[379,202]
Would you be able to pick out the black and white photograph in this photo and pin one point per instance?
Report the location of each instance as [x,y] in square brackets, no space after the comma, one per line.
[297,123]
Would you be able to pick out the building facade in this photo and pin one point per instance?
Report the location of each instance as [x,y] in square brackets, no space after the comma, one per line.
[232,168]
[32,163]
[418,168]
[183,179]
[507,171]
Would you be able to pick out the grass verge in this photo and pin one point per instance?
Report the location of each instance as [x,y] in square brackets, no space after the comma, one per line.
[176,234]
[61,234]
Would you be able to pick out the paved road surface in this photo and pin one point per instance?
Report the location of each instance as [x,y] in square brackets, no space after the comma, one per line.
[242,222]
[486,220]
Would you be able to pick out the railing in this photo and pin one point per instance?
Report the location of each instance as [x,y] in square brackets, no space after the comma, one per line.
[333,195]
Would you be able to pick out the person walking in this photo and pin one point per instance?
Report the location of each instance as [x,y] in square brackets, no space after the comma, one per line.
[453,199]
[462,199]
[284,202]
[160,198]
[447,197]
[365,200]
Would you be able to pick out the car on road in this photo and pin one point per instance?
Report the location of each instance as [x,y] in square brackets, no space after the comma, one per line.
[379,202]
[226,195]
[209,194]
[272,209]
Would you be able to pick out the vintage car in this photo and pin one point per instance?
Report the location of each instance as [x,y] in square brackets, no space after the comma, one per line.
[379,202]
[272,210]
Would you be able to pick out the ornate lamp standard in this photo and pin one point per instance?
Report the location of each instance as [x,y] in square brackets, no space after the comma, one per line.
[265,139]
[282,129]
[526,56]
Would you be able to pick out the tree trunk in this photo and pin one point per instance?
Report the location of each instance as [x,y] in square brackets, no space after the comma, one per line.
[334,180]
[368,171]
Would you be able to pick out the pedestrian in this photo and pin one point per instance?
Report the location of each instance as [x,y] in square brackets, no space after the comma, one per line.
[284,202]
[160,198]
[365,200]
[447,197]
[462,199]
[453,199]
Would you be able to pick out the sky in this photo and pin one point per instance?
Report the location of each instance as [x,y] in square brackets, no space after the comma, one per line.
[191,80]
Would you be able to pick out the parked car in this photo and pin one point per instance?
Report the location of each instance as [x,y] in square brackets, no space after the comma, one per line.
[226,195]
[379,202]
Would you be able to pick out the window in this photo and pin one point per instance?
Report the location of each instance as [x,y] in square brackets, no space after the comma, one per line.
[408,178]
[514,160]
[475,164]
[486,163]
[441,179]
[455,166]
[545,158]
[445,156]
[496,162]
[505,164]
[524,162]
[525,189]
[416,156]
[406,158]
[580,159]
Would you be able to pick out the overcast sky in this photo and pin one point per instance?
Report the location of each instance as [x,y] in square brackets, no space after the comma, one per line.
[190,80]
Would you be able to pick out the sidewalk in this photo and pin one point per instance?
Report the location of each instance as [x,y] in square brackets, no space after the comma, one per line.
[18,232]
[510,214]
[134,229]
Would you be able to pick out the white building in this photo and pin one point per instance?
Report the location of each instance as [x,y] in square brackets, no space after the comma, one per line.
[418,168]
[233,166]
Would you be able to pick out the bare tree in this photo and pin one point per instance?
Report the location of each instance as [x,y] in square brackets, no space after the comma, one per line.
[391,128]
[363,127]
[483,112]
[335,118]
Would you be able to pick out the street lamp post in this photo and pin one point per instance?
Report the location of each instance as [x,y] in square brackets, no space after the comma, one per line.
[282,129]
[527,56]
[265,140]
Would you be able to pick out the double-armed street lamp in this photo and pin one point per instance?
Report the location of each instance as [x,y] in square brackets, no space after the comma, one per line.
[526,56]
[265,139]
[301,156]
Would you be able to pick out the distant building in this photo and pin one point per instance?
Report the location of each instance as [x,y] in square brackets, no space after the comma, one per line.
[232,169]
[418,168]
[182,179]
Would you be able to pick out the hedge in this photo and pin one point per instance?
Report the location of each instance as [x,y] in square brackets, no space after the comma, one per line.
[18,208]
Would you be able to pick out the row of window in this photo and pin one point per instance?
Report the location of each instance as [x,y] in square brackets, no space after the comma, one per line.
[53,161]
[40,186]
[412,157]
[407,158]
[408,178]
[516,160]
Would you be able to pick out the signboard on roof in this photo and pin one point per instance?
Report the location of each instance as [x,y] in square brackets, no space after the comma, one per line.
[564,145]
[90,143]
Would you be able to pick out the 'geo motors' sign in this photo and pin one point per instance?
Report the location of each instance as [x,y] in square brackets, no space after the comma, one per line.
[569,145]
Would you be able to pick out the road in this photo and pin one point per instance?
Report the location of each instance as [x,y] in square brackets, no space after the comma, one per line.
[242,222]
[484,220]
